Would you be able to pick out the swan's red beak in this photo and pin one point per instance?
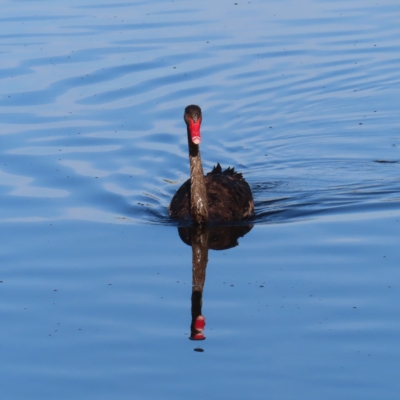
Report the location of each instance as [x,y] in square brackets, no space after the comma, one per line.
[194,129]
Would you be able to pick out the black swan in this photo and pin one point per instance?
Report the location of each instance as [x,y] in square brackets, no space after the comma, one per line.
[219,196]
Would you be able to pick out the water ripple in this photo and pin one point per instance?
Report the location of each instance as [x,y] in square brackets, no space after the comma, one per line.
[303,104]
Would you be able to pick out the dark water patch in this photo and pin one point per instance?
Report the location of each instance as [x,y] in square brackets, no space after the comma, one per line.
[37,18]
[29,118]
[110,5]
[386,161]
[42,35]
[198,349]
[175,12]
[137,26]
[172,38]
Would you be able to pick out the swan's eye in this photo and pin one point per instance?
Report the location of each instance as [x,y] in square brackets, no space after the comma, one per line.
[191,117]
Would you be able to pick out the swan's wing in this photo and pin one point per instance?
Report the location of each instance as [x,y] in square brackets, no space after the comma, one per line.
[228,172]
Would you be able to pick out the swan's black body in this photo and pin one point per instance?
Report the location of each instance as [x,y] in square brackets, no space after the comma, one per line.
[229,197]
[220,196]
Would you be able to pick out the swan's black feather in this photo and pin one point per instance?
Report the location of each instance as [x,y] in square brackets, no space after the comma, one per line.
[229,172]
[229,197]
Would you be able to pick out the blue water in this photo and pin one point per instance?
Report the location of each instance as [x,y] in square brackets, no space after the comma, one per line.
[299,96]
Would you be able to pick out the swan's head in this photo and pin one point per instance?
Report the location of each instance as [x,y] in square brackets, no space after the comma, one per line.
[193,118]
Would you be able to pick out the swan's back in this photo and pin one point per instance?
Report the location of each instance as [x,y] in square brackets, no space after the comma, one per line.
[229,197]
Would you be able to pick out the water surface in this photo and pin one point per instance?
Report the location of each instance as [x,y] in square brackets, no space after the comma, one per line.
[301,97]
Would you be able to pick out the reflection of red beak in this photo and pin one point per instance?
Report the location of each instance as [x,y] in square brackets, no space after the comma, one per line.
[194,129]
[198,329]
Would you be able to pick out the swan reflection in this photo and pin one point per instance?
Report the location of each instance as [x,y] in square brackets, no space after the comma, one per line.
[201,239]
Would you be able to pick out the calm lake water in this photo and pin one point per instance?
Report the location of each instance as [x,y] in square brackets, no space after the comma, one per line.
[300,96]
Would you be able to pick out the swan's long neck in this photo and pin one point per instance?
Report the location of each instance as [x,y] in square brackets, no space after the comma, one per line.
[198,192]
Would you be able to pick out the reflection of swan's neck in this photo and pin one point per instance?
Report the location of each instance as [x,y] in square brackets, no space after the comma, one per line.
[198,193]
[199,258]
[199,264]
